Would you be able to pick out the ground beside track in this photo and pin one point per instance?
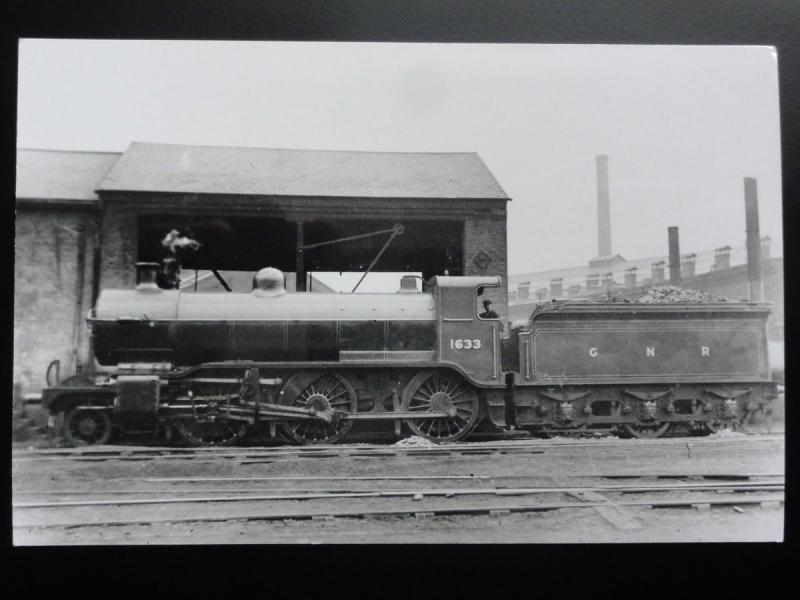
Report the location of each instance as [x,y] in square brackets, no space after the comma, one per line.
[553,464]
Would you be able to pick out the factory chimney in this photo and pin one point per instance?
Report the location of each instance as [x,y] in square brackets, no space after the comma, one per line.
[753,239]
[603,208]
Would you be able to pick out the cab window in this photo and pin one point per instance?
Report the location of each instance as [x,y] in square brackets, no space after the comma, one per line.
[484,304]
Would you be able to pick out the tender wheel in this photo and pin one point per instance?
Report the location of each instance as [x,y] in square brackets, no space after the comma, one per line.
[319,390]
[640,430]
[220,432]
[87,427]
[442,391]
[718,425]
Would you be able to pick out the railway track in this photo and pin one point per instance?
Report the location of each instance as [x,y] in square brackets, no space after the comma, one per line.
[324,494]
[760,490]
[257,454]
[97,494]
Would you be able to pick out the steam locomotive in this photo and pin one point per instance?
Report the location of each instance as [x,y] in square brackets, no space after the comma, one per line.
[306,367]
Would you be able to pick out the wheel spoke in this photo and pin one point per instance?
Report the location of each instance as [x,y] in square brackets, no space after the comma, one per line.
[444,386]
[463,400]
[438,391]
[331,398]
[327,391]
[457,385]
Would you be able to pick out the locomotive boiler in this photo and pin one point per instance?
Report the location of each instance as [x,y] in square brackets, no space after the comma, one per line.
[305,367]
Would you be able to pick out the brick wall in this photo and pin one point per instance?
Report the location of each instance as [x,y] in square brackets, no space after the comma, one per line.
[485,238]
[46,303]
[119,247]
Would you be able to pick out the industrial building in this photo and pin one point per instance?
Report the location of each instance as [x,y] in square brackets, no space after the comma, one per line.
[722,272]
[719,272]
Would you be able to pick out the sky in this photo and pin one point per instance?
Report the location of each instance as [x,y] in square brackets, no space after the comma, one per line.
[682,125]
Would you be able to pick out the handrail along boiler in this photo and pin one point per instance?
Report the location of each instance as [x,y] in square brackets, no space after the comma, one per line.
[308,366]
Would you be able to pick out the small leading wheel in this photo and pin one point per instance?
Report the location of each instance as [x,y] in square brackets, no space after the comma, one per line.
[219,432]
[642,430]
[320,391]
[87,427]
[442,391]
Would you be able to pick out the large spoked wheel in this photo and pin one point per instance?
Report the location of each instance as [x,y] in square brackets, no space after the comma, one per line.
[219,432]
[641,430]
[211,427]
[442,391]
[320,391]
[87,427]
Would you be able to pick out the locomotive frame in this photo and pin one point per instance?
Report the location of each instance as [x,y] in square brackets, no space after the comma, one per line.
[357,367]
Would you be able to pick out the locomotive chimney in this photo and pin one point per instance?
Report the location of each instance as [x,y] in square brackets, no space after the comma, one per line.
[603,208]
[146,274]
[753,239]
[674,257]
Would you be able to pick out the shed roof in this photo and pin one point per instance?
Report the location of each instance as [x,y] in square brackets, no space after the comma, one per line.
[61,176]
[278,172]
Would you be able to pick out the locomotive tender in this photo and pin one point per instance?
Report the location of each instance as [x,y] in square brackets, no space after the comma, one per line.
[308,366]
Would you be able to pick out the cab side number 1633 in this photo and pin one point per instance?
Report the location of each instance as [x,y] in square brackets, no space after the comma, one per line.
[460,344]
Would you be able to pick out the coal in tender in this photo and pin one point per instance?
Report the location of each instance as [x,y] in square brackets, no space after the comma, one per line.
[671,293]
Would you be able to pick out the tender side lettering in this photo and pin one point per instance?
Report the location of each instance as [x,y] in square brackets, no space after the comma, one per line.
[650,351]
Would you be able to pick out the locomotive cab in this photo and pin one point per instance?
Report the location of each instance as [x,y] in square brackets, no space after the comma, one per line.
[466,338]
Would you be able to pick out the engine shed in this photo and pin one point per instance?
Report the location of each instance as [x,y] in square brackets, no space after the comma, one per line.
[255,207]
